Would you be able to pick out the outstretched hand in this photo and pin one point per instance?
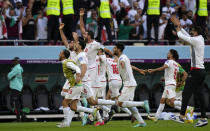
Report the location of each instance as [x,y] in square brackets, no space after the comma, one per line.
[82,12]
[61,26]
[150,71]
[175,20]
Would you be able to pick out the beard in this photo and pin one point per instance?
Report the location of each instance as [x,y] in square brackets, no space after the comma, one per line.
[115,53]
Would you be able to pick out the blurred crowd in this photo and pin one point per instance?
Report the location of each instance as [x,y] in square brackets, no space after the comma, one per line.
[29,20]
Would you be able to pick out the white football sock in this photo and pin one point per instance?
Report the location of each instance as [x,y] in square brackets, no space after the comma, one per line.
[106,102]
[98,116]
[132,104]
[177,103]
[84,109]
[136,114]
[71,115]
[178,107]
[126,110]
[160,110]
[104,108]
[66,114]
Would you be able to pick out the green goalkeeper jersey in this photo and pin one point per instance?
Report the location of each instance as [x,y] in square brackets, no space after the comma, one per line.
[179,79]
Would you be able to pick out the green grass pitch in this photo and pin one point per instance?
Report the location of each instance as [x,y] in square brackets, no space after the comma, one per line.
[123,125]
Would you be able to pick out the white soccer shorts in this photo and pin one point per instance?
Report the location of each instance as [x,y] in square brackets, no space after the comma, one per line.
[169,91]
[127,93]
[114,88]
[74,93]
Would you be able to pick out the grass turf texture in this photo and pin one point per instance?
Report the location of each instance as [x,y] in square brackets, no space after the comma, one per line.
[111,126]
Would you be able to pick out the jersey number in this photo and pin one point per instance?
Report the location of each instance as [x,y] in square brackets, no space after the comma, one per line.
[115,69]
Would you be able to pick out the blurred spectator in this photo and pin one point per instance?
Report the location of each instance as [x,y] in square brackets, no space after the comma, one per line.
[162,25]
[53,13]
[168,9]
[121,14]
[104,19]
[154,11]
[182,10]
[176,4]
[126,3]
[125,29]
[68,18]
[137,32]
[12,24]
[92,23]
[141,4]
[170,31]
[185,22]
[38,5]
[6,7]
[190,4]
[190,15]
[201,14]
[41,26]
[18,7]
[28,26]
[115,6]
[132,12]
[1,26]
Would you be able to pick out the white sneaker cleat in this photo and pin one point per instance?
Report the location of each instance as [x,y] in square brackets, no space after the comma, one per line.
[201,122]
[64,124]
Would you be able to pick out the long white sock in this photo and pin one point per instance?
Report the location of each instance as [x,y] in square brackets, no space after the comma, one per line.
[106,102]
[71,115]
[177,103]
[66,114]
[126,110]
[132,104]
[160,110]
[84,109]
[104,108]
[136,114]
[98,116]
[80,113]
[178,107]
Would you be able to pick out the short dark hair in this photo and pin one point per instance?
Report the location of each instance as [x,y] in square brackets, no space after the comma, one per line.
[66,53]
[174,54]
[82,43]
[108,54]
[91,34]
[198,29]
[126,21]
[120,46]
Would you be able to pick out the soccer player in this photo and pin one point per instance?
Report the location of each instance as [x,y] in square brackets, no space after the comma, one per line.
[195,81]
[180,80]
[70,69]
[171,69]
[99,87]
[115,83]
[127,93]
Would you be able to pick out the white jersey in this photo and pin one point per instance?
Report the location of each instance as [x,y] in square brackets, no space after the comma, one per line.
[81,58]
[171,72]
[92,49]
[101,68]
[112,69]
[126,72]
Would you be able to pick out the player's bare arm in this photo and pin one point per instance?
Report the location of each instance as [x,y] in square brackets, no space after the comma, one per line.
[83,70]
[63,37]
[158,69]
[139,70]
[82,25]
